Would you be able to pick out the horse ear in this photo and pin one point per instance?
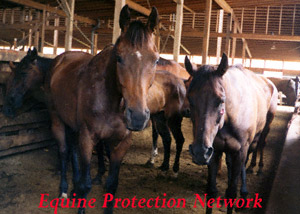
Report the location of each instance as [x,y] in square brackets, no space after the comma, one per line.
[29,52]
[222,68]
[188,66]
[124,18]
[153,19]
[34,53]
[12,65]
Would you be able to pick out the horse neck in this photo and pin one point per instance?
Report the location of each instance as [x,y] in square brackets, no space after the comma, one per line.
[112,89]
[44,65]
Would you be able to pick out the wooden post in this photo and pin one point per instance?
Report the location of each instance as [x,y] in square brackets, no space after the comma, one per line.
[228,31]
[244,53]
[193,23]
[294,15]
[267,21]
[37,34]
[4,16]
[22,16]
[95,43]
[43,31]
[12,17]
[30,30]
[234,43]
[157,37]
[219,30]
[119,4]
[205,44]
[55,35]
[70,21]
[242,19]
[254,20]
[280,18]
[178,29]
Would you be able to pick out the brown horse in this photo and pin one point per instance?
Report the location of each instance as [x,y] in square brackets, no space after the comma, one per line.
[288,88]
[165,101]
[25,80]
[85,98]
[230,108]
[173,67]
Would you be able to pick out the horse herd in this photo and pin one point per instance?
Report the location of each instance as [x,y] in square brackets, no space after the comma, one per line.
[99,100]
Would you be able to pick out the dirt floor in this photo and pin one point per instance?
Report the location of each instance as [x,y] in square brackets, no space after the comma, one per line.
[24,177]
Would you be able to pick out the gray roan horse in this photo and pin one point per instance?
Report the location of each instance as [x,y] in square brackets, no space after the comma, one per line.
[231,109]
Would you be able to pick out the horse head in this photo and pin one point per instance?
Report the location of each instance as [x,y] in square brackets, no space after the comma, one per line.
[24,77]
[206,95]
[136,57]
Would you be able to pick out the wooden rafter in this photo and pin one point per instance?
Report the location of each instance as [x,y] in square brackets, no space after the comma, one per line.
[226,7]
[48,8]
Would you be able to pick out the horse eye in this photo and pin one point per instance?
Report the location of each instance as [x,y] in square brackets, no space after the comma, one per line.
[119,59]
[156,62]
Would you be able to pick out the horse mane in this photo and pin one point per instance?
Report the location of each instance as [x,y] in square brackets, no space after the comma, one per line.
[163,61]
[137,33]
[44,63]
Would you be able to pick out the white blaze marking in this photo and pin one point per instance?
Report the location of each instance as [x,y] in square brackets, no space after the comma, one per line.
[139,55]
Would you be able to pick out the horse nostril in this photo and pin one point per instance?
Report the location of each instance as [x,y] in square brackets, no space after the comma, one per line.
[209,152]
[147,111]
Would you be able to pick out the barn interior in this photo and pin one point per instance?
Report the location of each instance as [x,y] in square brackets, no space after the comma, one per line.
[263,36]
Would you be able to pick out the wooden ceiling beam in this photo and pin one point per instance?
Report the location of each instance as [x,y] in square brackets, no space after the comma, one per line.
[226,7]
[223,4]
[48,8]
[250,36]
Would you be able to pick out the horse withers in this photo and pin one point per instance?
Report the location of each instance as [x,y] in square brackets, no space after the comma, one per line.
[86,99]
[230,109]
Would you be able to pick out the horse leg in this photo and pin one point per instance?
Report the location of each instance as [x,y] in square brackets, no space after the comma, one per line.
[101,165]
[253,160]
[154,151]
[211,188]
[175,127]
[72,141]
[112,181]
[84,185]
[58,130]
[262,140]
[164,132]
[236,162]
[243,190]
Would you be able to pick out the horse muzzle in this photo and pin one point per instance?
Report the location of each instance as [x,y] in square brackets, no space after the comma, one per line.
[201,155]
[136,120]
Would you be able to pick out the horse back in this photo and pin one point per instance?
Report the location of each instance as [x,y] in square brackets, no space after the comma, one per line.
[249,99]
[63,82]
[172,67]
[166,94]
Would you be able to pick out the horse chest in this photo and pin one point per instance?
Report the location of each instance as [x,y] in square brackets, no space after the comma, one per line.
[111,127]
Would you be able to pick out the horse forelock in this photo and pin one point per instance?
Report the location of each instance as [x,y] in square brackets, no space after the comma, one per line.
[137,34]
[205,73]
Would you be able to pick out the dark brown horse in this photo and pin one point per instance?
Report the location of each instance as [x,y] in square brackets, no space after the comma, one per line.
[26,80]
[231,108]
[287,87]
[172,67]
[85,98]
